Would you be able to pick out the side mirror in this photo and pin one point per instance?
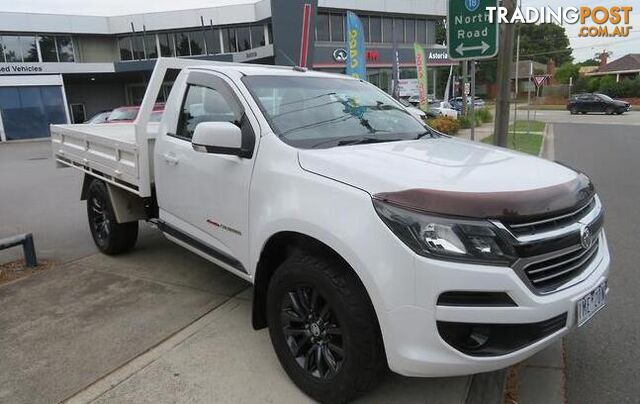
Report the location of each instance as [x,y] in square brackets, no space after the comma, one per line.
[217,138]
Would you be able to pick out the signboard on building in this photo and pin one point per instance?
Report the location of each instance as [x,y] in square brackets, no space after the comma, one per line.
[11,69]
[470,34]
[408,87]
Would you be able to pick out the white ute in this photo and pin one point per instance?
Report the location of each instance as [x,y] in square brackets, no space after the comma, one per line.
[372,241]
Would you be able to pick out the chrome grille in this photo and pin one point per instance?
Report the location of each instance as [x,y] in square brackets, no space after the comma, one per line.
[550,250]
[551,223]
[549,273]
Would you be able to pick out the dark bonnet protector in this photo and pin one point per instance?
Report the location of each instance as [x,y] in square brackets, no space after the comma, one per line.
[511,207]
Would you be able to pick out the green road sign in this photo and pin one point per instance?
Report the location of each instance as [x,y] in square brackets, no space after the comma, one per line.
[470,34]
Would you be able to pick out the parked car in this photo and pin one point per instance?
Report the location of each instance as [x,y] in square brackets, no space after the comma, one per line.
[415,99]
[129,113]
[596,102]
[371,241]
[417,112]
[100,117]
[456,103]
[444,108]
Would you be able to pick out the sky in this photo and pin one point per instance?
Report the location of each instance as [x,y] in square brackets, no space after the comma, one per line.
[584,48]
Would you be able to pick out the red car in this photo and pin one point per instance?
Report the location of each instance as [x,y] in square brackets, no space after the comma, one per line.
[129,114]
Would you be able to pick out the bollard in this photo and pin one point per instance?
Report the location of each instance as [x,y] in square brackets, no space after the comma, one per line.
[29,250]
[28,247]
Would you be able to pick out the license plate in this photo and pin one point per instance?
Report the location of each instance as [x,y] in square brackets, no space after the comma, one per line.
[591,303]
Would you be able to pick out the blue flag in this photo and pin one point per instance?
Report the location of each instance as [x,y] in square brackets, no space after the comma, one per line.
[355,47]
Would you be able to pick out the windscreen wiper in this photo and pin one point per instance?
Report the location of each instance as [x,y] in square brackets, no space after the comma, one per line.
[366,140]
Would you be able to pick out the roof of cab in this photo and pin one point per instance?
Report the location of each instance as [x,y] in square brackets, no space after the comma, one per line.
[267,70]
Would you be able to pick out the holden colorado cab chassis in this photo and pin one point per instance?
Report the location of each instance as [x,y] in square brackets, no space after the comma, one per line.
[373,242]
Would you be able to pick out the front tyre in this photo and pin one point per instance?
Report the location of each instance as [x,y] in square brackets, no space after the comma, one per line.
[110,237]
[323,329]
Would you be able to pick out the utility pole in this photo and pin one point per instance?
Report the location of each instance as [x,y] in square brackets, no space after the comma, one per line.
[505,61]
[473,100]
[465,77]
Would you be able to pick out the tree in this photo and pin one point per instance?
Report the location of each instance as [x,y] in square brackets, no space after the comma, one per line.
[566,71]
[589,62]
[541,42]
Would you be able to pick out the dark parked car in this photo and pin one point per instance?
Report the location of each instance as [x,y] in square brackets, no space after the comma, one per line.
[596,102]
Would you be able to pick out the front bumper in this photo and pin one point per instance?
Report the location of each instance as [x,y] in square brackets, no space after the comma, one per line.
[415,347]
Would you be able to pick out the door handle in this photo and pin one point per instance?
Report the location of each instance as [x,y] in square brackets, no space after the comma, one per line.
[170,159]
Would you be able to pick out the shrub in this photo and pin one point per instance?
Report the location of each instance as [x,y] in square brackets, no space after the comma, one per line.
[484,115]
[444,124]
[465,121]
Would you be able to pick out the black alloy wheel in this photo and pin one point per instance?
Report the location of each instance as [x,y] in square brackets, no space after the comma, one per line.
[99,218]
[312,332]
[323,328]
[109,236]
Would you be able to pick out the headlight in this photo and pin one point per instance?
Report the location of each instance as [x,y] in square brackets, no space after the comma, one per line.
[447,238]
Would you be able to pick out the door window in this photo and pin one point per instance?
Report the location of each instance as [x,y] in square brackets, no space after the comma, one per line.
[204,104]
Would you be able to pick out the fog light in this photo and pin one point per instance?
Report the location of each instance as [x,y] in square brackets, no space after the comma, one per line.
[477,338]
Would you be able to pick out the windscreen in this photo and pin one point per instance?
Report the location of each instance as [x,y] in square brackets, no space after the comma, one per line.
[123,114]
[313,112]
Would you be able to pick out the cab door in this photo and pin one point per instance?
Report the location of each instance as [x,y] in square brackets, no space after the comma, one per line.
[203,197]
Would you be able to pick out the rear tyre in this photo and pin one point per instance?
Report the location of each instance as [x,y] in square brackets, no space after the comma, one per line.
[323,329]
[110,237]
[583,112]
[573,110]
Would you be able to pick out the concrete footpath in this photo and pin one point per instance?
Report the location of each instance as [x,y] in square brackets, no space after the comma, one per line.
[135,329]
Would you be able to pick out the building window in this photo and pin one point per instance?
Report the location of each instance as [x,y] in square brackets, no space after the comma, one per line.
[337,27]
[257,36]
[48,49]
[387,30]
[124,44]
[229,40]
[196,42]
[421,31]
[365,26]
[166,45]
[322,27]
[270,32]
[29,48]
[138,47]
[213,41]
[410,31]
[375,29]
[150,46]
[244,38]
[398,30]
[65,49]
[20,48]
[182,44]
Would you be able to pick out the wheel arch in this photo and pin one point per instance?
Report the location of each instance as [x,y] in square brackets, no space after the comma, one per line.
[127,206]
[275,250]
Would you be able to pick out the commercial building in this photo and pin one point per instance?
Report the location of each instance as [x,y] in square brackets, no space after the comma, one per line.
[65,68]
